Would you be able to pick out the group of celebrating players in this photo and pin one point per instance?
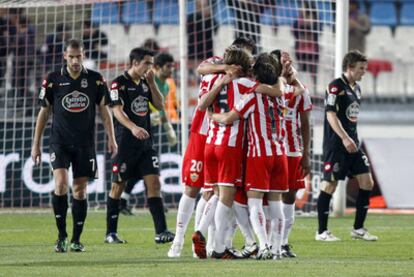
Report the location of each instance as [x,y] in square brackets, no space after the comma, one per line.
[245,150]
[249,149]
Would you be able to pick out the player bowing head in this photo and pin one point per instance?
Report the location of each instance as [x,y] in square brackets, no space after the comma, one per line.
[141,61]
[74,56]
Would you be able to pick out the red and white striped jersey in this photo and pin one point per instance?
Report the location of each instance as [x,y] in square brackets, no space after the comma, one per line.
[199,123]
[292,107]
[258,110]
[232,134]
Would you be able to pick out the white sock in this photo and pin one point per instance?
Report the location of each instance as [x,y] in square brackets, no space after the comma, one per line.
[208,215]
[125,196]
[242,217]
[268,221]
[201,204]
[210,237]
[231,231]
[289,211]
[278,222]
[222,219]
[258,220]
[185,210]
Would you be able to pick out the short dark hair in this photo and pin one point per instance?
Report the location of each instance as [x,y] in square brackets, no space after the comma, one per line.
[351,58]
[277,53]
[270,59]
[74,43]
[139,53]
[236,55]
[245,42]
[162,58]
[151,44]
[267,69]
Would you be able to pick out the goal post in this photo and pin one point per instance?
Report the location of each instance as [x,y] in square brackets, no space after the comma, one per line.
[341,48]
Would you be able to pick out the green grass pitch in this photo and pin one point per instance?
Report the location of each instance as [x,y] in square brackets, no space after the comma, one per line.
[27,240]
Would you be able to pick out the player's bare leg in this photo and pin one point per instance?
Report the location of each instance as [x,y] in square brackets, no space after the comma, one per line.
[184,213]
[60,207]
[289,199]
[277,222]
[324,200]
[156,207]
[112,213]
[366,184]
[79,212]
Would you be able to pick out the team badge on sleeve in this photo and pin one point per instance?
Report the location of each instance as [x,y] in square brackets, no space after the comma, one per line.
[114,92]
[42,93]
[331,99]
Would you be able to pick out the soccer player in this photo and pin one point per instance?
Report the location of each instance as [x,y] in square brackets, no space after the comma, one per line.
[215,65]
[296,125]
[193,170]
[164,67]
[265,171]
[130,96]
[342,154]
[206,206]
[71,95]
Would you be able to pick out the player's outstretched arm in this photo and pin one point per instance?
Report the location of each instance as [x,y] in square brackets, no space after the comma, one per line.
[109,128]
[225,118]
[211,68]
[207,99]
[157,98]
[305,133]
[120,115]
[41,121]
[274,91]
[336,125]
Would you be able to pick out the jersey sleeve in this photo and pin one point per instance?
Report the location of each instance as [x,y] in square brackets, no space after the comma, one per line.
[46,92]
[102,91]
[246,85]
[207,83]
[305,103]
[331,97]
[115,94]
[246,105]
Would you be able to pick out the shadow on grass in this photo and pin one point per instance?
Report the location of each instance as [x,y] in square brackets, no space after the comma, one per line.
[148,262]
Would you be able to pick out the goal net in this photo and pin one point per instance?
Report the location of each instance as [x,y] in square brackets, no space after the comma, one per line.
[32,35]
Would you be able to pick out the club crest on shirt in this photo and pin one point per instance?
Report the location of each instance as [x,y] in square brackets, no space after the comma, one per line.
[140,106]
[75,102]
[145,88]
[352,112]
[194,177]
[84,83]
